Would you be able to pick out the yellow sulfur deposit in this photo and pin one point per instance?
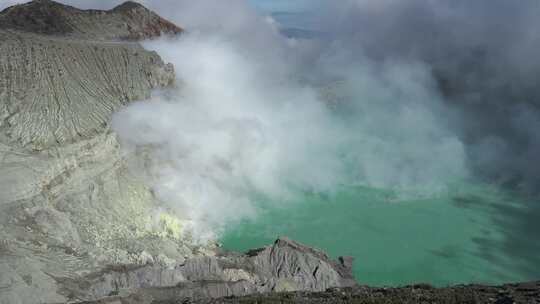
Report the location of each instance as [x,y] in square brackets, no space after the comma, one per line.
[170,226]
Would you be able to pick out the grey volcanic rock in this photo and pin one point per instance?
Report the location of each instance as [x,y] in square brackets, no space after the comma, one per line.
[130,21]
[283,266]
[55,90]
[289,266]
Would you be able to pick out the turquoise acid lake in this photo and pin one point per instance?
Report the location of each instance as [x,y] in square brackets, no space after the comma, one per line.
[472,233]
[463,236]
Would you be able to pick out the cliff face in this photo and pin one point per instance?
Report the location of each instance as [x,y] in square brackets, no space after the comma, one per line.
[75,223]
[56,91]
[65,70]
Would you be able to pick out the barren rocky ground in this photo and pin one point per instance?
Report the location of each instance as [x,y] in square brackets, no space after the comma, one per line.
[512,293]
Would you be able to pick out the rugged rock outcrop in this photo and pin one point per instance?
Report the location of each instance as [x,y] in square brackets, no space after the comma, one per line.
[283,266]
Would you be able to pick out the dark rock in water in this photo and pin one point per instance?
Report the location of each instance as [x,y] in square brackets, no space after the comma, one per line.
[346,261]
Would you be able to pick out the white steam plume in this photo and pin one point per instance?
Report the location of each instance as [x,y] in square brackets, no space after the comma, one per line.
[246,121]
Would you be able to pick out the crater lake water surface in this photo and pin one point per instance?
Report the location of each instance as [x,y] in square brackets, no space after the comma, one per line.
[473,235]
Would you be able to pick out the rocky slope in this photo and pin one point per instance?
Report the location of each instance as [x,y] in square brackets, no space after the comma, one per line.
[64,185]
[75,223]
[68,203]
[56,91]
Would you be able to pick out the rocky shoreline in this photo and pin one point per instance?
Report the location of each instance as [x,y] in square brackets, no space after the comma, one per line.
[526,293]
[506,294]
[283,266]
